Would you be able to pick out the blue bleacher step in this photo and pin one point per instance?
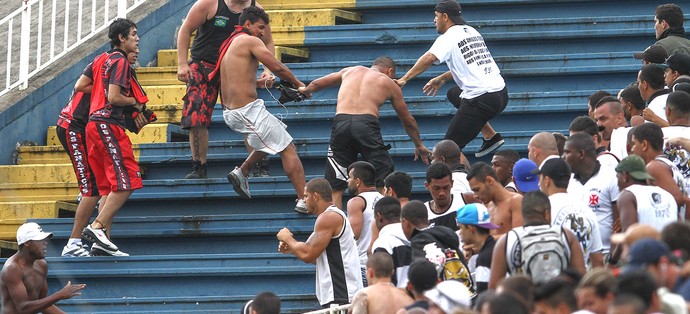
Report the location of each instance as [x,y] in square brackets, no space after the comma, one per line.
[290,303]
[202,234]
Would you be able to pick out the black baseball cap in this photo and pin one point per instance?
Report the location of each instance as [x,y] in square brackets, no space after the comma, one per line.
[453,10]
[653,54]
[680,63]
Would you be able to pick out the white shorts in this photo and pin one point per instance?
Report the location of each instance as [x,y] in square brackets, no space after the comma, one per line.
[264,131]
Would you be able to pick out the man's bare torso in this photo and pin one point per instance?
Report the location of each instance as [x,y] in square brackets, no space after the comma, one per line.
[502,214]
[33,277]
[363,91]
[238,73]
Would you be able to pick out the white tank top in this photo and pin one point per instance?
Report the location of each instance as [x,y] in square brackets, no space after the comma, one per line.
[370,199]
[338,276]
[655,206]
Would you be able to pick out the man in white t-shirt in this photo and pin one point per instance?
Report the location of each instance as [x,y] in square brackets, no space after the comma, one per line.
[567,212]
[587,125]
[483,92]
[594,184]
[678,112]
[650,80]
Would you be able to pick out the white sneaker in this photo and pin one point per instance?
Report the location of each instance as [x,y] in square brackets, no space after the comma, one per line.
[301,207]
[239,183]
[75,251]
[98,236]
[98,250]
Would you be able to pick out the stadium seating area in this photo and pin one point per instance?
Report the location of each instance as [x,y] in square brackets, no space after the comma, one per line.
[197,247]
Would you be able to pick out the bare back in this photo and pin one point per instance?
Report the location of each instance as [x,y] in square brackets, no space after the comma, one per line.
[384,298]
[238,72]
[363,91]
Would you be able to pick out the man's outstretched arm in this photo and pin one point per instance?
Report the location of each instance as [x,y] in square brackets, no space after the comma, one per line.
[409,123]
[422,64]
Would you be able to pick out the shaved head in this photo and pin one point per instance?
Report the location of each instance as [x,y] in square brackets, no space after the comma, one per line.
[546,142]
[446,151]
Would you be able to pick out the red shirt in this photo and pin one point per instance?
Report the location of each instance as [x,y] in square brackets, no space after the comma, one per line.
[75,114]
[109,68]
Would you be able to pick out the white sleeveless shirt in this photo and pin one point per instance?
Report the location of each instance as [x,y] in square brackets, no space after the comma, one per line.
[370,199]
[338,276]
[655,206]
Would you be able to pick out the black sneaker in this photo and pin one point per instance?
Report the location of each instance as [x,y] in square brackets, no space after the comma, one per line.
[491,145]
[198,171]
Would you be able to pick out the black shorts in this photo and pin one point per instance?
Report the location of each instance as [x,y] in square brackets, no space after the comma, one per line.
[352,135]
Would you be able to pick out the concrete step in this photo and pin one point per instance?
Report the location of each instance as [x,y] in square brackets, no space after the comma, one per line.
[159,79]
[290,303]
[8,228]
[157,132]
[200,234]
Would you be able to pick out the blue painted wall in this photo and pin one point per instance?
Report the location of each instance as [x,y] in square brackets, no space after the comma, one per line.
[28,119]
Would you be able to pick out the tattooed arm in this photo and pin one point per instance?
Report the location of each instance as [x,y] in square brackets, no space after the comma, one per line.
[359,303]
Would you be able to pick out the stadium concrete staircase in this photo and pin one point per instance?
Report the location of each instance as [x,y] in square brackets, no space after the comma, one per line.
[197,247]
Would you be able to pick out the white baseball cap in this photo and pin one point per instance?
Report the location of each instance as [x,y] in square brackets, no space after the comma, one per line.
[31,231]
[450,294]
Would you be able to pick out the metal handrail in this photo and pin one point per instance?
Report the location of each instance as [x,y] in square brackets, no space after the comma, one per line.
[31,57]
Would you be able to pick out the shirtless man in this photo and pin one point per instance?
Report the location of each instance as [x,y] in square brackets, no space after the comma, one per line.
[246,114]
[23,284]
[362,93]
[381,296]
[504,206]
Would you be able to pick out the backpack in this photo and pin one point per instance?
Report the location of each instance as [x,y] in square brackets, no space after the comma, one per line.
[542,253]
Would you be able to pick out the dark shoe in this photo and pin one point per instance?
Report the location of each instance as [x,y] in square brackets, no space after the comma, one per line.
[198,171]
[260,169]
[491,145]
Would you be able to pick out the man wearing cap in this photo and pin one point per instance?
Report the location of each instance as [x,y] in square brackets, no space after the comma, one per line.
[640,202]
[503,206]
[650,80]
[568,213]
[474,222]
[481,89]
[23,284]
[541,147]
[677,70]
[593,184]
[655,258]
[654,54]
[448,296]
[381,296]
[525,176]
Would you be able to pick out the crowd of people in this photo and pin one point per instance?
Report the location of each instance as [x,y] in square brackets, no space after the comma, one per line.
[592,222]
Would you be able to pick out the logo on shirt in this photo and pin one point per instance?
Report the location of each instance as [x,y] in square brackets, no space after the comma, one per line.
[593,200]
[221,21]
[656,198]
